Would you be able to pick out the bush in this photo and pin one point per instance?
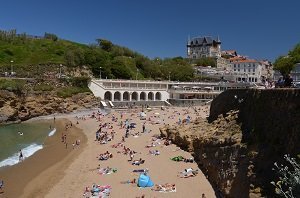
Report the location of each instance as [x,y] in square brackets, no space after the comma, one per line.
[43,87]
[70,91]
[288,184]
[14,85]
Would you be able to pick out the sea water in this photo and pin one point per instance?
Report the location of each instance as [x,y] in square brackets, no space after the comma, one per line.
[28,137]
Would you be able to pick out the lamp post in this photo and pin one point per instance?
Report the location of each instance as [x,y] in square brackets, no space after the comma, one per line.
[11,67]
[100,72]
[169,76]
[137,70]
[60,65]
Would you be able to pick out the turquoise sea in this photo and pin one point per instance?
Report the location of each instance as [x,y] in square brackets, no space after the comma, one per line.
[29,137]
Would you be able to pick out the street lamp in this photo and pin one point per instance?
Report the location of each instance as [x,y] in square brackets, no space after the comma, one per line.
[60,66]
[137,70]
[11,67]
[100,72]
[169,76]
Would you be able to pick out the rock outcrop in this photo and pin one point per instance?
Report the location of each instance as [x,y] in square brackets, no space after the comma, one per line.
[15,108]
[247,131]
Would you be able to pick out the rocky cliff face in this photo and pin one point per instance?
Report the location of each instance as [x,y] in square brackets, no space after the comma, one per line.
[248,130]
[14,108]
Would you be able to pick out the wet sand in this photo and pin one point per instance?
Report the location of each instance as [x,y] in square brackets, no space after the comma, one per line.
[35,175]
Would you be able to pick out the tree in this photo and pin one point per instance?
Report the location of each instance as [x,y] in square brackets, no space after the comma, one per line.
[105,44]
[284,64]
[206,61]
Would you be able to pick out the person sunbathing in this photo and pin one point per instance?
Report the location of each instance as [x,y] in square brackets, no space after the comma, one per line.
[133,181]
[150,145]
[138,162]
[154,152]
[189,172]
[167,187]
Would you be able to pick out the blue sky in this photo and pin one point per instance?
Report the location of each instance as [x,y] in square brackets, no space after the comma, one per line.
[160,28]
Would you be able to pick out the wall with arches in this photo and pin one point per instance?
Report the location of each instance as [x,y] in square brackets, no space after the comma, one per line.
[113,95]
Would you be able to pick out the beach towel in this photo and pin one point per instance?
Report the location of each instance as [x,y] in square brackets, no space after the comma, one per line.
[178,158]
[140,170]
[107,171]
[164,188]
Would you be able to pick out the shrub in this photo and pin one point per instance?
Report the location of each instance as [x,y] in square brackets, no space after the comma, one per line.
[288,184]
[14,85]
[70,91]
[43,87]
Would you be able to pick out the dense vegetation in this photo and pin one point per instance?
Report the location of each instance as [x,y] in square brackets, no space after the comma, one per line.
[31,56]
[286,63]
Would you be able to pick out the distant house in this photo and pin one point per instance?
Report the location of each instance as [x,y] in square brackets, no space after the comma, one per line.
[247,70]
[295,73]
[200,47]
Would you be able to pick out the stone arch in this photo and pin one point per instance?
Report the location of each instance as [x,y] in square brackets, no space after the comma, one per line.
[108,95]
[134,96]
[126,96]
[117,96]
[158,96]
[150,96]
[142,96]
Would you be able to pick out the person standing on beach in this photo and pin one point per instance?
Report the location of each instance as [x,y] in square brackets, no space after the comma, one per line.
[144,128]
[21,155]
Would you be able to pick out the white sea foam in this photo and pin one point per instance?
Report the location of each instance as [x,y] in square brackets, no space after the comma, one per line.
[52,132]
[27,152]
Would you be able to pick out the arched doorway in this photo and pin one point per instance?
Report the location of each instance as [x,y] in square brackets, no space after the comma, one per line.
[117,96]
[143,96]
[125,96]
[158,96]
[150,96]
[134,96]
[108,96]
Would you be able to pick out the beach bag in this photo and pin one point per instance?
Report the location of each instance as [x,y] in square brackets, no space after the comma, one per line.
[144,181]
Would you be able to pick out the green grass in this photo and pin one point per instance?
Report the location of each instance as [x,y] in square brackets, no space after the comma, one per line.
[43,87]
[12,84]
[35,51]
[70,91]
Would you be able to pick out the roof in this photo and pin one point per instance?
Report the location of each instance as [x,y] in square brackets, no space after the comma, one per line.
[206,40]
[246,61]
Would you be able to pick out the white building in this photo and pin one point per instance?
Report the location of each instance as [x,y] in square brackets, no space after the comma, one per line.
[122,92]
[246,70]
[200,47]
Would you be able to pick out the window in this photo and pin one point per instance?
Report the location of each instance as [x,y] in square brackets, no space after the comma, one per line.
[234,65]
[253,70]
[249,70]
[234,69]
[238,70]
[238,65]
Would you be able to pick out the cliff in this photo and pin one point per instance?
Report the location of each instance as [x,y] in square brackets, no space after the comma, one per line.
[20,107]
[246,132]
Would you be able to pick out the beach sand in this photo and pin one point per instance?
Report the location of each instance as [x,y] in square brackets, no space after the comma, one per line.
[35,175]
[76,169]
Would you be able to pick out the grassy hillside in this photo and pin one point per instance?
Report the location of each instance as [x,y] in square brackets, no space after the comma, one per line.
[36,56]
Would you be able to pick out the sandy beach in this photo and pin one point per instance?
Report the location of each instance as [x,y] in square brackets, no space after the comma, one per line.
[73,170]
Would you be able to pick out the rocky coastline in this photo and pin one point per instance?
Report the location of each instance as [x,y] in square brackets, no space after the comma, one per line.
[15,108]
[246,132]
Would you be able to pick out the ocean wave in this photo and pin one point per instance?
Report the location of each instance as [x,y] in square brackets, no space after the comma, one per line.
[27,152]
[52,132]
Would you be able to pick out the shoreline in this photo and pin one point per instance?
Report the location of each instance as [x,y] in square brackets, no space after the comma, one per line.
[19,178]
[71,171]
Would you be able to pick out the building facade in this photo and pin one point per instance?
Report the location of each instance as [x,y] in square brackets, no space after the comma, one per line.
[202,47]
[247,70]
